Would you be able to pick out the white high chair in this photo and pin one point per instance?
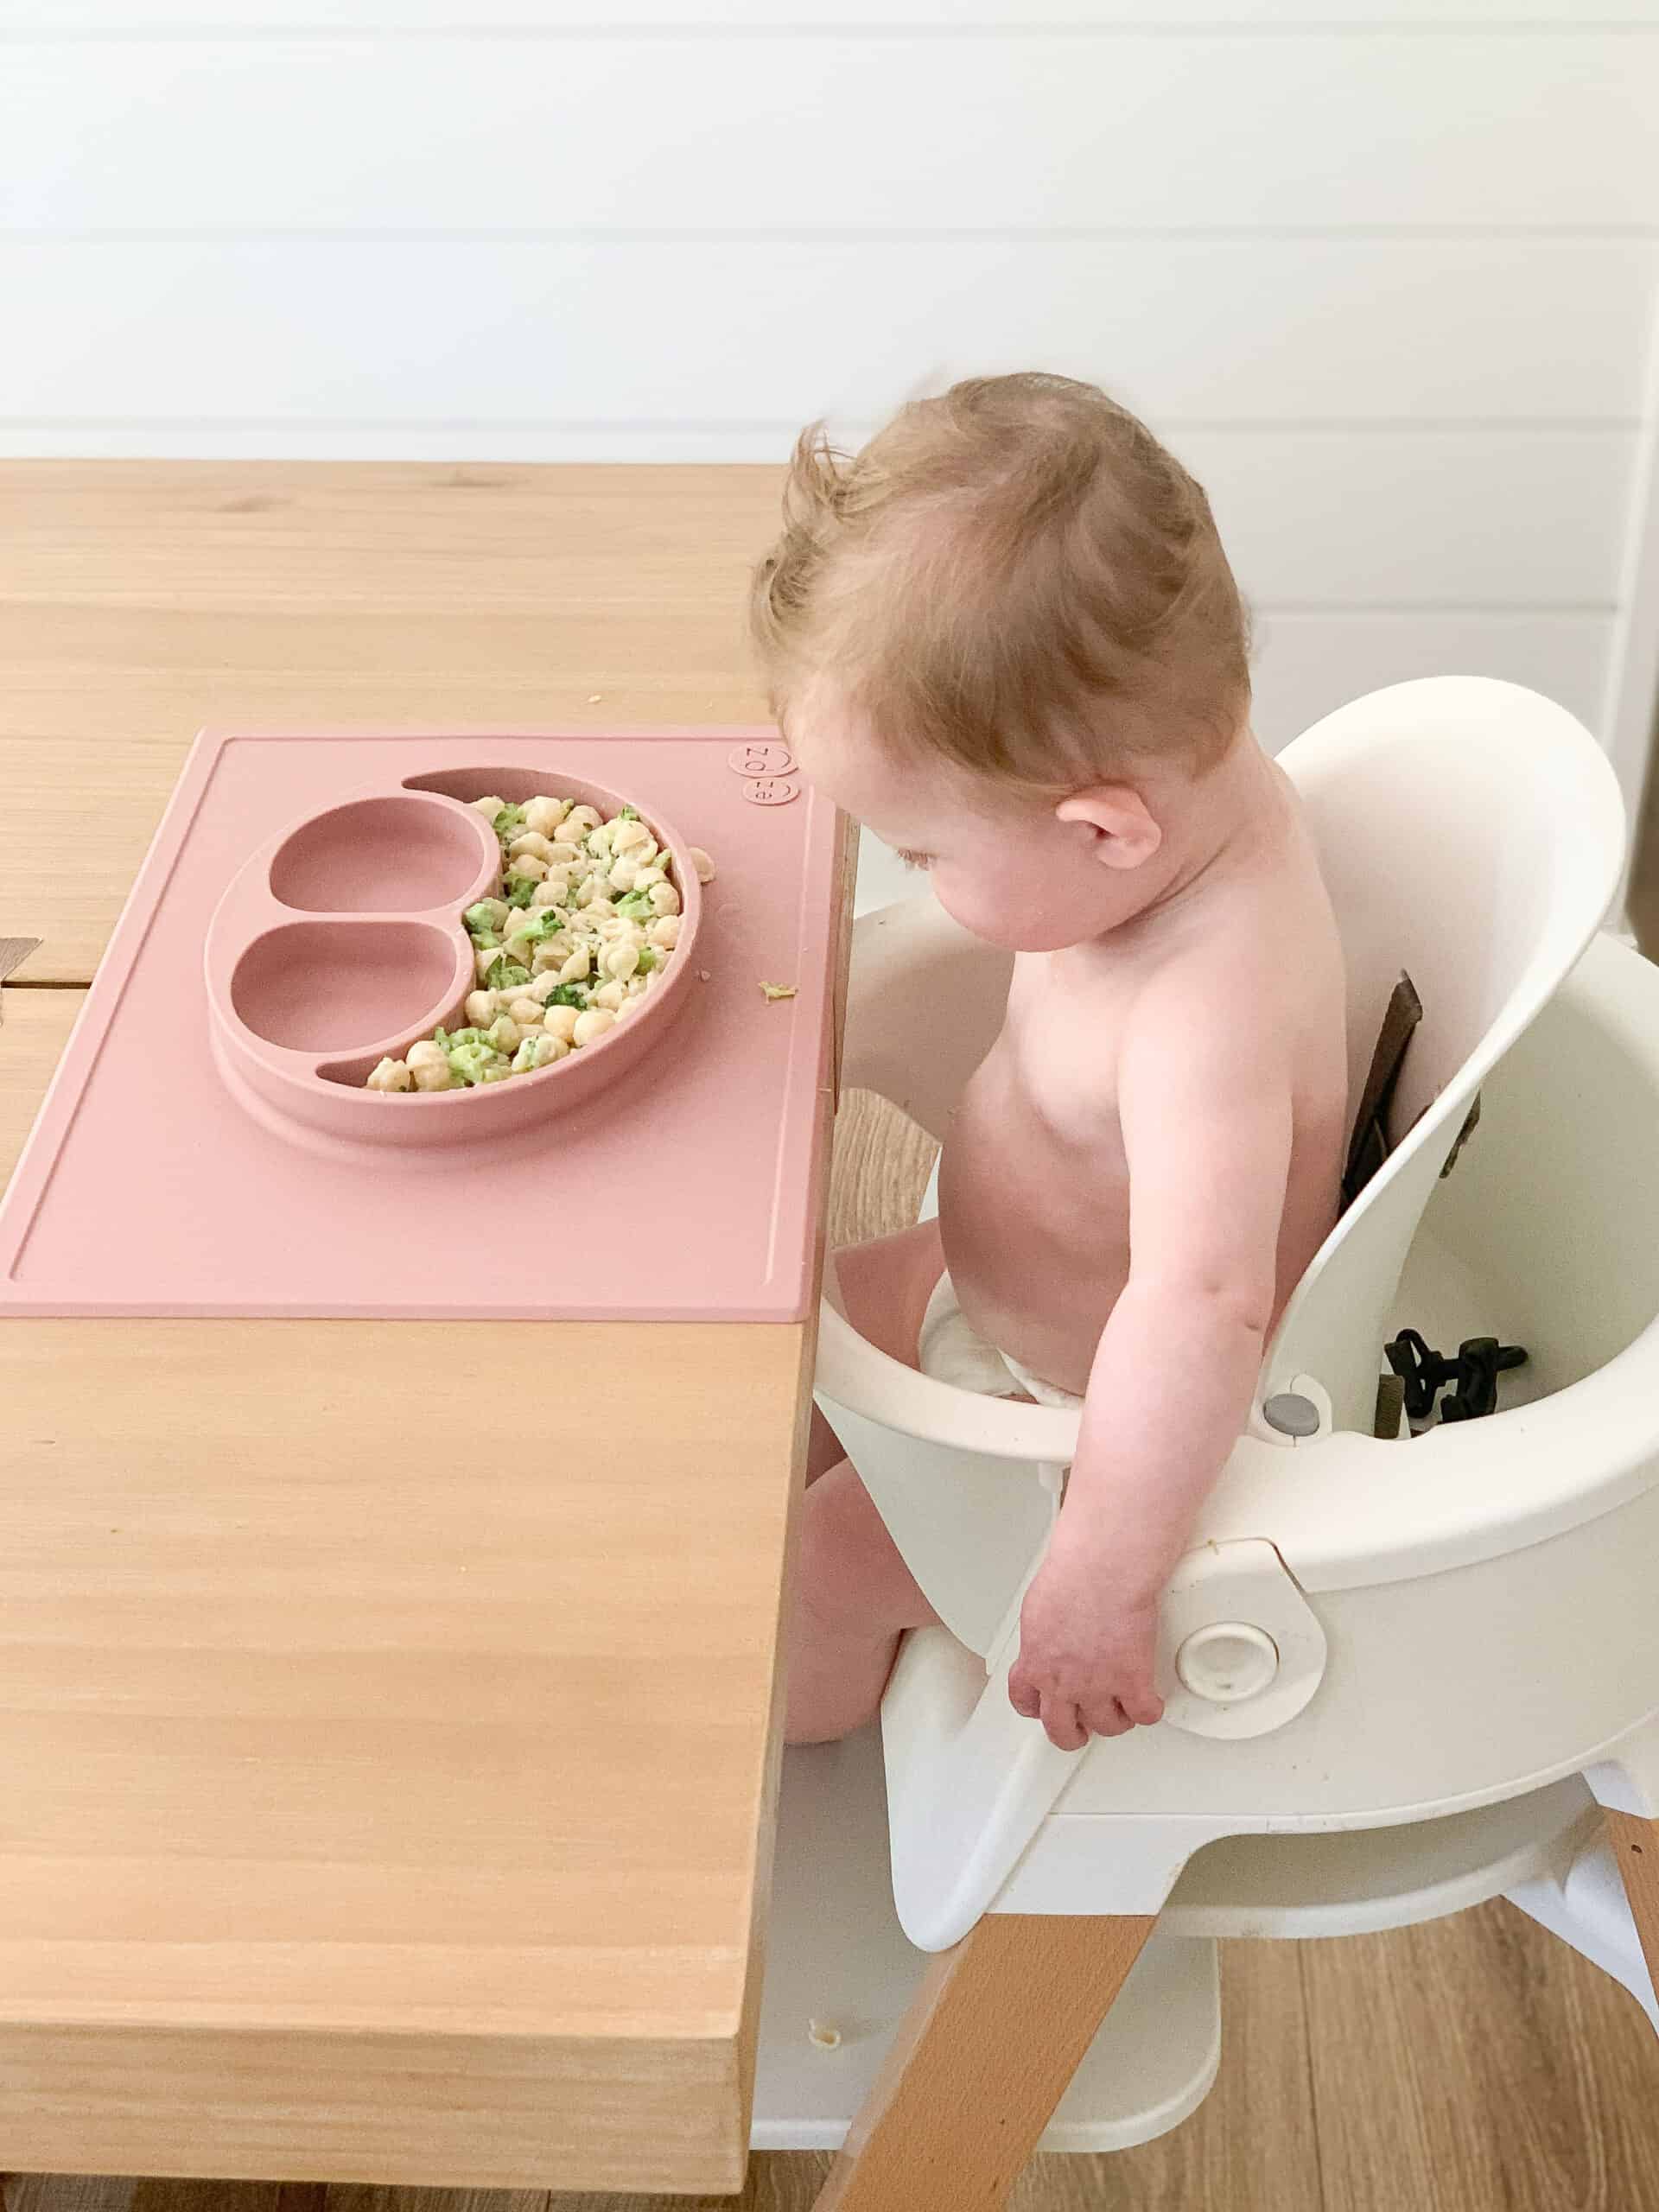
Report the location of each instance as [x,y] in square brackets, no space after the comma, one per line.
[1400,1674]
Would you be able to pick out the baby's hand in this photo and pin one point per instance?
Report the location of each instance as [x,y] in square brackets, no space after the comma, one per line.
[1086,1653]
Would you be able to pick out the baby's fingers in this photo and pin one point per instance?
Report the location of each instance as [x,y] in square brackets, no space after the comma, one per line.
[1143,1705]
[1062,1722]
[1063,1725]
[1025,1697]
[1106,1717]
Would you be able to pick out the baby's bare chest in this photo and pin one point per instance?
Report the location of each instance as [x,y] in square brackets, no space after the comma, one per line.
[1062,1048]
[1034,1185]
[1042,1112]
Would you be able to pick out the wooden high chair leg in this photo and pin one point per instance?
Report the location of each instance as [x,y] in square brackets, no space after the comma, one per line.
[1636,1847]
[980,2062]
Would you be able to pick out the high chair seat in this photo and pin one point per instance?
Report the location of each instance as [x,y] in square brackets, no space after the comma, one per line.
[1471,833]
[1438,1624]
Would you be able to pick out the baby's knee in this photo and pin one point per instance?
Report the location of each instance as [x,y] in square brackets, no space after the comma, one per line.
[851,1575]
[823,1449]
[884,1287]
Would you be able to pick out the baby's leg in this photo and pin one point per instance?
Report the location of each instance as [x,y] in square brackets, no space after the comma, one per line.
[853,1596]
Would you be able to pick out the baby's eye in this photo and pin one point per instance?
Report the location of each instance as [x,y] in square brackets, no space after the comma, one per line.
[916,859]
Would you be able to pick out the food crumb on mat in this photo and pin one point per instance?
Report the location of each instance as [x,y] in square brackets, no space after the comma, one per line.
[824,2034]
[778,990]
[703,865]
[593,699]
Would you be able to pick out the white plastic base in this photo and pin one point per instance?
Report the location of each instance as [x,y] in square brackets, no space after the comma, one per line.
[840,1974]
[838,1959]
[1584,1903]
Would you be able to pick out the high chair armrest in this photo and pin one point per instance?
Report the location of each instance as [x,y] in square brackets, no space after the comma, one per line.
[968,1486]
[853,1372]
[959,1479]
[1346,1511]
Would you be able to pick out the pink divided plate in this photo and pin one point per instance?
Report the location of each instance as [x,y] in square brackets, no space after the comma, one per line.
[341,943]
[207,1147]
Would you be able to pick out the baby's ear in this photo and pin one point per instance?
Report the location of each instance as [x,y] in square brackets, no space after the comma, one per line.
[1124,832]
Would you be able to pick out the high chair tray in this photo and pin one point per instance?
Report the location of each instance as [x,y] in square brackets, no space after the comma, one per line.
[207,1147]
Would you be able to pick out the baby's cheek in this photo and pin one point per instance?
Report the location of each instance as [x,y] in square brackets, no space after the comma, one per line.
[963,899]
[973,904]
[1024,910]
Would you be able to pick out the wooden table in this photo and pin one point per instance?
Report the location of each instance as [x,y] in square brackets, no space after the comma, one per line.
[364,1820]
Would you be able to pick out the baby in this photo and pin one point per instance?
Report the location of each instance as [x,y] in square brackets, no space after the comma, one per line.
[1005,637]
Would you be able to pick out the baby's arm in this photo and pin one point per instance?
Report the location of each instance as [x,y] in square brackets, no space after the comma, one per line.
[1204,1100]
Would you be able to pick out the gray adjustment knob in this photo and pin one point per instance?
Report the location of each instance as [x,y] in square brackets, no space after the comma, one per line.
[1290,1413]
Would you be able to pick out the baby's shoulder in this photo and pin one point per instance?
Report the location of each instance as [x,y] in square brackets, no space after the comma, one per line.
[1224,1005]
[1254,995]
[1217,973]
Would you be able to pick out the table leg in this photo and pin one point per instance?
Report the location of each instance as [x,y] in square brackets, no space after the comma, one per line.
[1636,1847]
[980,2062]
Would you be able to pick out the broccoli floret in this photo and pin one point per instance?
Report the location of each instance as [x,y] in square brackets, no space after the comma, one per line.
[543,921]
[499,1073]
[637,905]
[483,940]
[441,1039]
[460,1037]
[521,889]
[470,1061]
[503,974]
[648,959]
[574,994]
[509,819]
[627,813]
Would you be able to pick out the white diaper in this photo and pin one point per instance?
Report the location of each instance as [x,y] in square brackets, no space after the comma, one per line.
[951,1350]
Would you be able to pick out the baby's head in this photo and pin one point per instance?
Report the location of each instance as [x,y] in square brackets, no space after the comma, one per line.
[1005,636]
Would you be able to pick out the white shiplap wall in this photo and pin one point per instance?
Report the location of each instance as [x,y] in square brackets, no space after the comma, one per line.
[1385,277]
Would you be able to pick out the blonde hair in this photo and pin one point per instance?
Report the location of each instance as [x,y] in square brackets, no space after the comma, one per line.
[1014,576]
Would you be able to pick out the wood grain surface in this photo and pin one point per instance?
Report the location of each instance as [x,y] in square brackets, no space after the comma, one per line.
[140,600]
[1341,2091]
[1635,1843]
[389,1728]
[993,2036]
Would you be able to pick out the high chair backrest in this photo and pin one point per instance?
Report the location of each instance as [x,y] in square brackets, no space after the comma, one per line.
[1471,833]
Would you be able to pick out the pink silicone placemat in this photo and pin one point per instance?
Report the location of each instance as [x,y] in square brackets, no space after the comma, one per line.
[688,1190]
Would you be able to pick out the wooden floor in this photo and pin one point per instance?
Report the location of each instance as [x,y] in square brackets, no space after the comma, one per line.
[1471,2065]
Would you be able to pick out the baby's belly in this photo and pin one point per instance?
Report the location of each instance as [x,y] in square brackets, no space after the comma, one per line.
[1038,1253]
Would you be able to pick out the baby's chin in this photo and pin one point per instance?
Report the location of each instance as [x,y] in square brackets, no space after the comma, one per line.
[1045,932]
[1050,941]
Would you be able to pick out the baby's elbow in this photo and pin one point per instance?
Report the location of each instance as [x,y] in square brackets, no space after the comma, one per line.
[1240,1304]
[1230,1304]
